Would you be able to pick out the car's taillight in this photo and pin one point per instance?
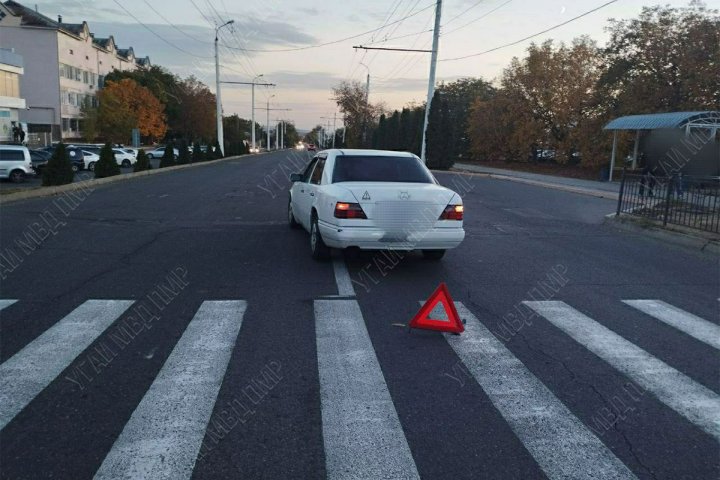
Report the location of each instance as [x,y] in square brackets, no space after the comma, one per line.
[452,212]
[349,210]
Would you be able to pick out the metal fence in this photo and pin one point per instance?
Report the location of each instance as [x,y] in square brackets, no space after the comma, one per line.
[677,200]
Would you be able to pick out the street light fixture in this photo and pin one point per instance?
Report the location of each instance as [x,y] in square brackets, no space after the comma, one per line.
[253,111]
[218,102]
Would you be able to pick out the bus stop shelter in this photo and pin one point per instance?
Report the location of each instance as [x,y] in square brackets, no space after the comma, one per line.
[667,131]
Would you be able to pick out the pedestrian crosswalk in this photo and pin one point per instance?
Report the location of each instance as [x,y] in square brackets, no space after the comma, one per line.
[363,437]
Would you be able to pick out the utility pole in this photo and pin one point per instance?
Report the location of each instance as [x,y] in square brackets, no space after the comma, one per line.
[431,80]
[367,104]
[268,109]
[334,129]
[253,83]
[253,110]
[218,102]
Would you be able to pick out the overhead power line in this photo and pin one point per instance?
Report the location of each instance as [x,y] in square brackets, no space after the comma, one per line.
[307,47]
[477,19]
[529,36]
[158,35]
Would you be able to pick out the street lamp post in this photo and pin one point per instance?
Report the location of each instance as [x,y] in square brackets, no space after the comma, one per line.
[218,102]
[253,110]
[268,122]
[367,102]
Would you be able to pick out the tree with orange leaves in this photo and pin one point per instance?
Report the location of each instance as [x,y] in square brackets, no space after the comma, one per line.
[125,105]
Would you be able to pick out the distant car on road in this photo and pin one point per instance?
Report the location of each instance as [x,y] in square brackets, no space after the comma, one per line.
[160,151]
[15,163]
[311,147]
[374,200]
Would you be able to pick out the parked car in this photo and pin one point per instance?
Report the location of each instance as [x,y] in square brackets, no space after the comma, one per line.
[131,151]
[15,163]
[77,158]
[374,200]
[90,159]
[123,158]
[41,156]
[160,151]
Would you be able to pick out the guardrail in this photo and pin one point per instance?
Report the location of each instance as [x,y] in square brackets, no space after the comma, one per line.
[688,201]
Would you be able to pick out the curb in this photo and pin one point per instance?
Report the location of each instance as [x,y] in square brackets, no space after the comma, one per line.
[683,239]
[84,184]
[554,186]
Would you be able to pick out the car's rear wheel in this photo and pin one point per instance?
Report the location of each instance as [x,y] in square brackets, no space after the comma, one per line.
[17,176]
[91,166]
[74,168]
[126,163]
[319,250]
[291,216]
[433,254]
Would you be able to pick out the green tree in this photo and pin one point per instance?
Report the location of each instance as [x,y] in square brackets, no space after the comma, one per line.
[667,59]
[439,135]
[142,163]
[168,158]
[358,115]
[183,154]
[107,165]
[217,152]
[58,170]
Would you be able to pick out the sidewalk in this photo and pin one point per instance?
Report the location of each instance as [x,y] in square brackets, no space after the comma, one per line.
[577,185]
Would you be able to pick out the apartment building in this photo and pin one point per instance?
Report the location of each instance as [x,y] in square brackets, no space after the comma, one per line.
[65,65]
[11,102]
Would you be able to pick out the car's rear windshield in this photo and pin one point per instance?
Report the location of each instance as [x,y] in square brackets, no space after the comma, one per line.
[359,168]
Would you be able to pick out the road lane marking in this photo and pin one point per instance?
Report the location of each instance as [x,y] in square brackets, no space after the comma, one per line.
[695,402]
[558,441]
[29,371]
[163,436]
[688,323]
[342,278]
[362,434]
[6,303]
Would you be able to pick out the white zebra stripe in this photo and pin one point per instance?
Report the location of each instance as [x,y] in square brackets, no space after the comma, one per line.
[693,325]
[4,303]
[695,402]
[32,369]
[164,434]
[361,430]
[560,443]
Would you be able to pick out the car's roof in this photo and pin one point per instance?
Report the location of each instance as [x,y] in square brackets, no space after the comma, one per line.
[357,152]
[13,147]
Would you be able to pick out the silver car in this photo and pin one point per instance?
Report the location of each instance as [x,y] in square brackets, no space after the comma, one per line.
[15,163]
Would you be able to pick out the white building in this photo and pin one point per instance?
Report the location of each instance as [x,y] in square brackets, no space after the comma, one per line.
[11,102]
[64,66]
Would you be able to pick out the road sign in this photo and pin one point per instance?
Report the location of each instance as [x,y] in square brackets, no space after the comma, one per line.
[422,318]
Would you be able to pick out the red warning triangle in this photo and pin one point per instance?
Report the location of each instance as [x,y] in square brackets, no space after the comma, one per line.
[422,318]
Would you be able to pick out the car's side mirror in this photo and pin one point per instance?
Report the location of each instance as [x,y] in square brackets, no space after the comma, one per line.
[296,177]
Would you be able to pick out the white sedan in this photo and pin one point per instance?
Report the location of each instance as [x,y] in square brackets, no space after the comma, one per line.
[374,200]
[123,158]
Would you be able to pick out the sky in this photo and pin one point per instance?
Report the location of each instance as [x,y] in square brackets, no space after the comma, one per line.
[178,34]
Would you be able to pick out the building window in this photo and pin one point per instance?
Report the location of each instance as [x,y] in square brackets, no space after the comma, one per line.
[65,124]
[72,98]
[86,77]
[9,84]
[74,124]
[101,81]
[78,75]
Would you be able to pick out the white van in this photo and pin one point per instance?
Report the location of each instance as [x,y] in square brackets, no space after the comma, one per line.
[15,163]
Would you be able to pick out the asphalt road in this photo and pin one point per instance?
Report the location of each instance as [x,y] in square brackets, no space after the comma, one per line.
[591,387]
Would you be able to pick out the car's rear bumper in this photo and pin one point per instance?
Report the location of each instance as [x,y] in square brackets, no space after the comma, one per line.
[372,238]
